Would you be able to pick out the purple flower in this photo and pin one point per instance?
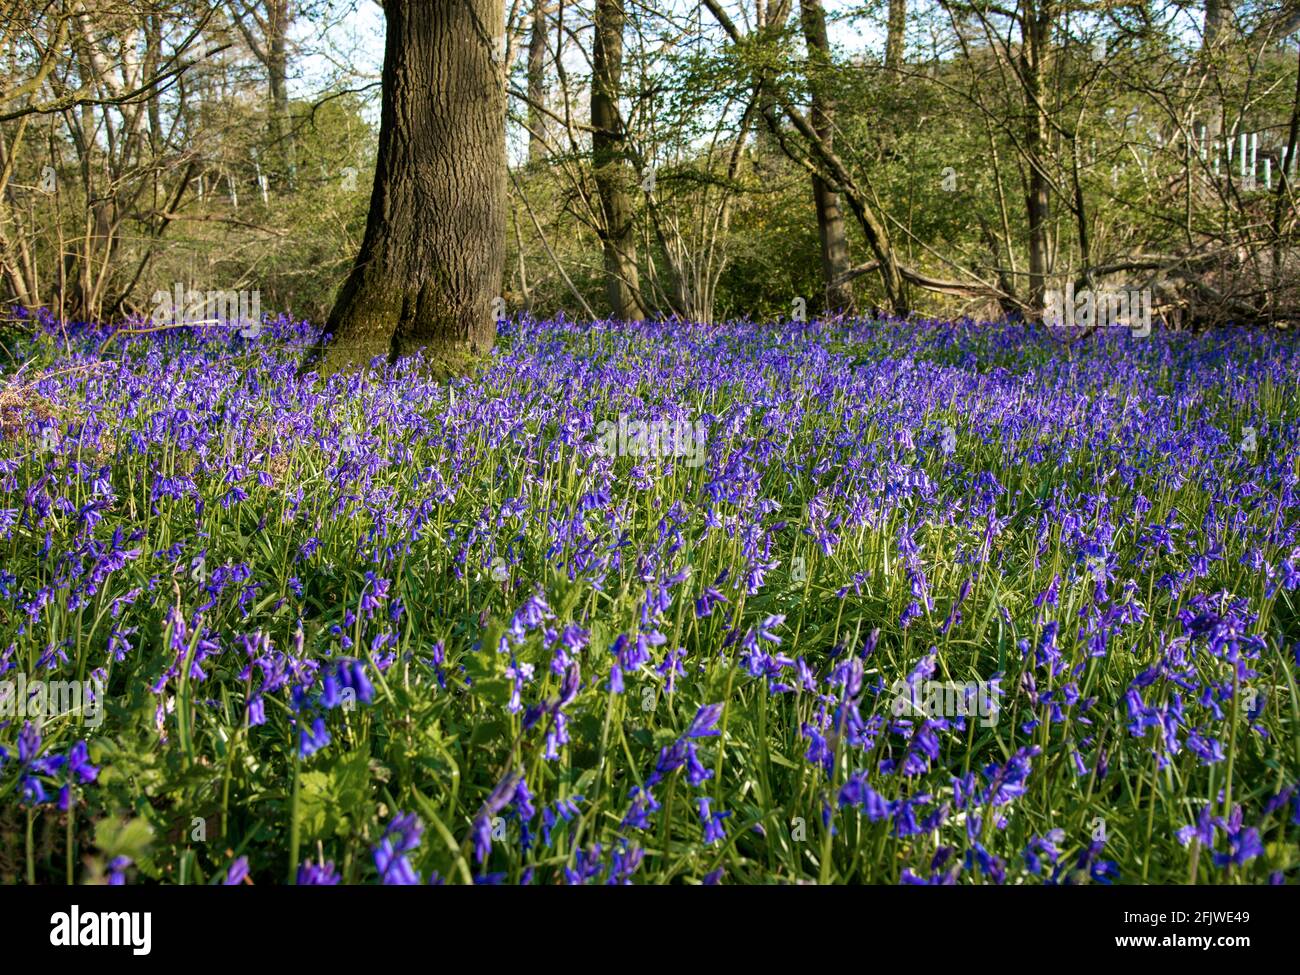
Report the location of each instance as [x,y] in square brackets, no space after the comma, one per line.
[713,831]
[401,836]
[702,726]
[79,763]
[237,873]
[117,871]
[497,800]
[1242,847]
[313,740]
[1203,830]
[310,875]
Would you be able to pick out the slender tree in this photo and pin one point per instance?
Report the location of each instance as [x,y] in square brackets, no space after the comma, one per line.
[536,82]
[608,152]
[1216,12]
[895,35]
[1036,20]
[830,217]
[265,27]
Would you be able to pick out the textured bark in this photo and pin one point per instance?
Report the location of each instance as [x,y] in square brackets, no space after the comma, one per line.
[265,26]
[895,34]
[277,70]
[830,215]
[608,156]
[1284,188]
[434,248]
[1216,13]
[1214,18]
[770,18]
[1037,30]
[536,82]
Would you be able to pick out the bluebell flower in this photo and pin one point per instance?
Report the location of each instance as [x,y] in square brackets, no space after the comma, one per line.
[1042,848]
[117,871]
[1203,830]
[312,740]
[323,875]
[711,821]
[500,796]
[237,872]
[702,725]
[401,836]
[1244,845]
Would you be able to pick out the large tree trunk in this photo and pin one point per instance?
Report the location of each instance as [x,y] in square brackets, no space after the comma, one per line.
[830,217]
[433,253]
[608,150]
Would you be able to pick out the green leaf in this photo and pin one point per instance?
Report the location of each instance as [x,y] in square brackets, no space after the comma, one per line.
[126,838]
[331,800]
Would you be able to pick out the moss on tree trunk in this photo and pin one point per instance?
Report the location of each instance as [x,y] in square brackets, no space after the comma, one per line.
[432,257]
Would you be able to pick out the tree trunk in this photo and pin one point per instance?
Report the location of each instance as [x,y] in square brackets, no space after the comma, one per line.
[1216,12]
[895,35]
[608,150]
[277,70]
[536,82]
[265,27]
[433,253]
[770,18]
[1284,191]
[830,217]
[1036,35]
[1214,17]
